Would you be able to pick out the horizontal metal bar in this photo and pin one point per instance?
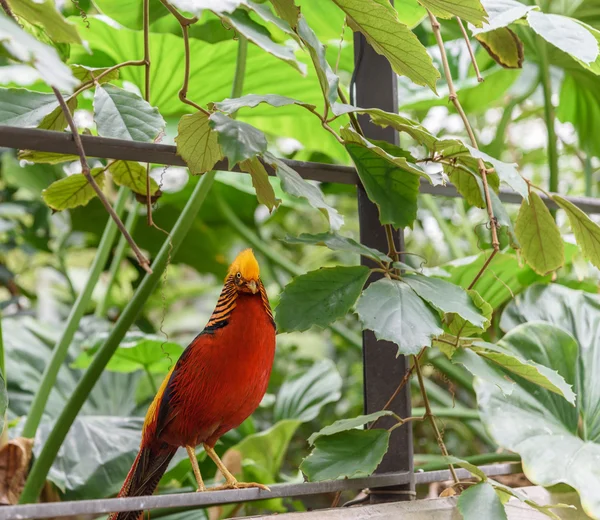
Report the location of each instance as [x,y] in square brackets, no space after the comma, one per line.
[105,148]
[214,498]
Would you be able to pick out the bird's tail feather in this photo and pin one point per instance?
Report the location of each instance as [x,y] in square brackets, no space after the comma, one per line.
[143,477]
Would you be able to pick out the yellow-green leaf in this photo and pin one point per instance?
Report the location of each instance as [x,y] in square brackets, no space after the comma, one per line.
[133,175]
[378,21]
[287,10]
[541,243]
[73,191]
[504,46]
[261,183]
[45,157]
[45,14]
[56,119]
[197,143]
[587,232]
[470,10]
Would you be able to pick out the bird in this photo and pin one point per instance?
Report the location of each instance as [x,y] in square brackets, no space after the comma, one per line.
[216,384]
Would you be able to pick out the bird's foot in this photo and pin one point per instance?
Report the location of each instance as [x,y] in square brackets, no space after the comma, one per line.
[234,484]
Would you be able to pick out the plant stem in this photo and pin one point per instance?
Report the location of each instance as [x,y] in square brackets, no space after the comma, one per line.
[59,353]
[91,83]
[450,413]
[8,10]
[2,359]
[240,68]
[113,272]
[478,460]
[147,98]
[435,25]
[453,372]
[549,116]
[470,49]
[39,471]
[431,417]
[291,268]
[85,168]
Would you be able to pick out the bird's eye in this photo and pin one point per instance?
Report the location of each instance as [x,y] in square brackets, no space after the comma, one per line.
[238,275]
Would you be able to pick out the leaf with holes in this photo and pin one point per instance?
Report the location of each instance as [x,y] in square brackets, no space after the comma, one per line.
[73,191]
[541,243]
[352,453]
[124,115]
[230,106]
[348,424]
[394,312]
[378,21]
[292,183]
[481,501]
[319,297]
[446,297]
[45,14]
[337,242]
[197,143]
[133,175]
[239,141]
[260,180]
[587,232]
[469,10]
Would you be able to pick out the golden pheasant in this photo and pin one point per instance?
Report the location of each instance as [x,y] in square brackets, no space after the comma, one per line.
[218,381]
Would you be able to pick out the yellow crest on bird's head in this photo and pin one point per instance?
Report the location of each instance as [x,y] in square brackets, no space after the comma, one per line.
[246,264]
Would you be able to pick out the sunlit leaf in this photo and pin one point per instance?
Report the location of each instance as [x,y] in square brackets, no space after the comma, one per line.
[260,180]
[25,108]
[133,175]
[197,143]
[73,191]
[504,46]
[502,13]
[470,10]
[56,119]
[129,13]
[45,14]
[287,10]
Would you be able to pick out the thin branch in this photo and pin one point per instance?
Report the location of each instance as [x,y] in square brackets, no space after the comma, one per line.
[92,82]
[352,115]
[147,98]
[8,10]
[429,414]
[470,49]
[435,25]
[180,18]
[85,168]
[389,233]
[482,270]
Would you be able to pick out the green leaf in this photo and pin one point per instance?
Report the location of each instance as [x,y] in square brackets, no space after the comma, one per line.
[44,58]
[459,326]
[303,395]
[471,468]
[394,190]
[481,501]
[217,6]
[287,10]
[328,80]
[292,183]
[484,371]
[197,143]
[56,119]
[129,13]
[529,370]
[239,141]
[337,242]
[378,21]
[230,106]
[25,108]
[260,180]
[502,13]
[46,157]
[541,243]
[133,175]
[136,352]
[45,14]
[85,74]
[504,46]
[566,34]
[586,231]
[348,424]
[319,297]
[352,453]
[394,312]
[124,115]
[72,191]
[469,10]
[465,182]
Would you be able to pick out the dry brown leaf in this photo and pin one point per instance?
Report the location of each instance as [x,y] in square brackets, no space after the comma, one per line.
[448,492]
[14,465]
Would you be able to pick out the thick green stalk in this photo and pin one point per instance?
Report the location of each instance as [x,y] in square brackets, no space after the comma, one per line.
[549,115]
[60,350]
[42,464]
[113,272]
[291,268]
[451,239]
[477,460]
[240,68]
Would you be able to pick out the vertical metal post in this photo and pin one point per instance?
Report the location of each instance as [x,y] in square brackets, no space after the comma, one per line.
[376,87]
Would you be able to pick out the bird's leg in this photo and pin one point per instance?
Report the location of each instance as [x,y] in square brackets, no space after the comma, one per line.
[192,455]
[230,481]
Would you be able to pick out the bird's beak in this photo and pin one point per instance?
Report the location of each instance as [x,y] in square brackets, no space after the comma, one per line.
[253,286]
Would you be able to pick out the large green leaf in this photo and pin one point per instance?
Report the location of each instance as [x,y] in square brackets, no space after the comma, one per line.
[25,108]
[348,424]
[124,115]
[558,443]
[394,312]
[337,242]
[129,13]
[303,395]
[470,10]
[541,243]
[394,190]
[44,58]
[481,501]
[73,191]
[319,297]
[239,141]
[446,297]
[45,14]
[351,453]
[378,21]
[197,143]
